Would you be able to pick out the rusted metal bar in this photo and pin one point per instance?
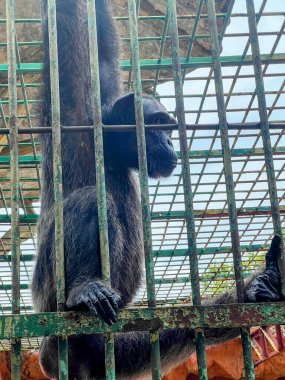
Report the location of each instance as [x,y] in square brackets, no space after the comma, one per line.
[142,319]
[15,196]
[212,24]
[100,172]
[260,92]
[188,196]
[143,174]
[124,128]
[57,180]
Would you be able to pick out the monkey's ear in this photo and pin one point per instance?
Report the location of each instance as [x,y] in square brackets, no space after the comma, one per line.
[124,109]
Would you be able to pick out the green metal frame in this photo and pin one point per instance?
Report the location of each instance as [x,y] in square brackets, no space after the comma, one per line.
[205,229]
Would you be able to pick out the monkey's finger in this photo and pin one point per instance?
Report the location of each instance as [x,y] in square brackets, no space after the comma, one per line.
[96,303]
[90,304]
[111,295]
[101,303]
[117,298]
[107,307]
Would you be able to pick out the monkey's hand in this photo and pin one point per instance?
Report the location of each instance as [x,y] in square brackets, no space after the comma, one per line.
[99,298]
[266,287]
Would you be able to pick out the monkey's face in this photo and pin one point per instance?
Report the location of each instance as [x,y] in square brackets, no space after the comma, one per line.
[161,156]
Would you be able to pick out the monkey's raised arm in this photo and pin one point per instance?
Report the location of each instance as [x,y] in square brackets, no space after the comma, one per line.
[75,90]
[74,59]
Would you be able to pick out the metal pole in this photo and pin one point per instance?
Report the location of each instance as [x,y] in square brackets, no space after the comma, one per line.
[15,196]
[57,180]
[100,173]
[245,333]
[146,217]
[188,196]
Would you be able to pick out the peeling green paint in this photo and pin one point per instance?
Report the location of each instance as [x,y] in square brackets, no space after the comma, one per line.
[100,172]
[143,175]
[15,196]
[57,182]
[230,186]
[144,319]
[188,196]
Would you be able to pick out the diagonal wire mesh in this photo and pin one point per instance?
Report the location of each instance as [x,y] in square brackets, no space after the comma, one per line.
[169,235]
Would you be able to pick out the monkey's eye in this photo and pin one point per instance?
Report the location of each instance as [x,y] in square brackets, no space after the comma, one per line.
[160,118]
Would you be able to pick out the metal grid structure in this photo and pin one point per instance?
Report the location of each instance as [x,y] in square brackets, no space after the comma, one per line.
[222,247]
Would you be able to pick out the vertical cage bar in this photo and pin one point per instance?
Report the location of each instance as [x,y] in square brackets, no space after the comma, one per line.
[100,172]
[57,179]
[260,92]
[15,196]
[230,187]
[146,217]
[188,196]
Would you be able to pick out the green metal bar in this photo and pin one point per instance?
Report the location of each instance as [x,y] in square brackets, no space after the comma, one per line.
[207,251]
[16,361]
[57,179]
[23,20]
[180,215]
[160,281]
[142,153]
[63,357]
[212,23]
[15,196]
[193,317]
[100,173]
[155,355]
[193,34]
[188,196]
[143,174]
[26,103]
[212,214]
[163,41]
[173,253]
[202,62]
[180,17]
[268,154]
[166,63]
[110,357]
[98,141]
[168,127]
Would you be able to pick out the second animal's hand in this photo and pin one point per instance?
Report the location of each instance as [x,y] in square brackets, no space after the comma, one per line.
[267,285]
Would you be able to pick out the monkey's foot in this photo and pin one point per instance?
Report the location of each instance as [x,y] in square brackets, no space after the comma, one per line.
[266,287]
[100,299]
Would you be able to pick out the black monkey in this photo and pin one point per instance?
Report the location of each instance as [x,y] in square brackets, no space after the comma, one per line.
[85,290]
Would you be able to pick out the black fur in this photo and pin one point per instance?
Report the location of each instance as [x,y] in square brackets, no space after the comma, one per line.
[84,288]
